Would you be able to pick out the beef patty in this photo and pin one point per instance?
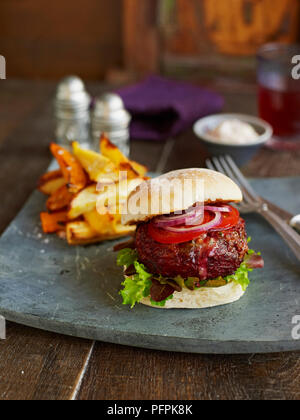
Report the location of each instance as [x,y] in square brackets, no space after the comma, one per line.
[211,255]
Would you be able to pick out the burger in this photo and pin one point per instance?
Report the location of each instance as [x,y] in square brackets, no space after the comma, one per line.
[195,255]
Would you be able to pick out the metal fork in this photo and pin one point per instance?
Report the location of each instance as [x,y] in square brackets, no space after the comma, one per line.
[253,203]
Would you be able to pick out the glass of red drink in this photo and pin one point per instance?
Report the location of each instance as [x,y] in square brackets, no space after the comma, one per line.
[279,92]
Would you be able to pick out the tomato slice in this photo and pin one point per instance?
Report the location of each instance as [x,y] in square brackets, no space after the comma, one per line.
[229,220]
[165,237]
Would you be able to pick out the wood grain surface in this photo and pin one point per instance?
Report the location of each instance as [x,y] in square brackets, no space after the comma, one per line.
[41,365]
[118,372]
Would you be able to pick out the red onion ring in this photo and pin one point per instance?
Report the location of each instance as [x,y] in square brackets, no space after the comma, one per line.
[199,228]
[192,216]
[224,209]
[198,216]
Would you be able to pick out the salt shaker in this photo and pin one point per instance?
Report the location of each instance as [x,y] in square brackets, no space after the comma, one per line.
[110,117]
[72,106]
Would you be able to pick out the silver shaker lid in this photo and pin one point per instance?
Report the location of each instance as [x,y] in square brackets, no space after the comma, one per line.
[71,96]
[109,113]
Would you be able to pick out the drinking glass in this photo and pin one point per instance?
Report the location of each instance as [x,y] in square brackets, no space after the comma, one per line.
[278,76]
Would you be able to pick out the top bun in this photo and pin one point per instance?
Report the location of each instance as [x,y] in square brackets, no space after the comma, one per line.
[205,186]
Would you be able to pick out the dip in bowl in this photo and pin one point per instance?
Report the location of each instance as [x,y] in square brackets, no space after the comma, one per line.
[238,135]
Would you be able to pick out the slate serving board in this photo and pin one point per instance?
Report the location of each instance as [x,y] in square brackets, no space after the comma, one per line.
[46,284]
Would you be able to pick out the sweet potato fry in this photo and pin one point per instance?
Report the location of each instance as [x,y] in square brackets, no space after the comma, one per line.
[49,176]
[54,222]
[73,173]
[60,199]
[88,192]
[51,182]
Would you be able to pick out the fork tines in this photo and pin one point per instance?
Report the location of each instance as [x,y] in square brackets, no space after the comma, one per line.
[253,203]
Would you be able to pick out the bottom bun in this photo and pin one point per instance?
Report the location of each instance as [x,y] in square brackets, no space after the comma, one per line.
[206,297]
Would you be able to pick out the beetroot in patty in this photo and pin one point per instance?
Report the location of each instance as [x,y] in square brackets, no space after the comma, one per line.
[211,255]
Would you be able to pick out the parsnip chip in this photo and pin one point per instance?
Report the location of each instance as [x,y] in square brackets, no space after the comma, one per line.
[81,233]
[111,151]
[107,224]
[94,188]
[84,202]
[99,167]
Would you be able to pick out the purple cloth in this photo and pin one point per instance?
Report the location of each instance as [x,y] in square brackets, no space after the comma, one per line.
[162,108]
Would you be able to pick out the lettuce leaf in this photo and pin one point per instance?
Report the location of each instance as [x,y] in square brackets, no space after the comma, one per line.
[142,272]
[241,276]
[162,303]
[138,286]
[135,289]
[127,257]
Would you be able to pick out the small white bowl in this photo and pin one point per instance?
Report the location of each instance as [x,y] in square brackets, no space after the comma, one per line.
[241,153]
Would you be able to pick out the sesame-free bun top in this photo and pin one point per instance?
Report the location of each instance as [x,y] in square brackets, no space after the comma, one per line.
[149,199]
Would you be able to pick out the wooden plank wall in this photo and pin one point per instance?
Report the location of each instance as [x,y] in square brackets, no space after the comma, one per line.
[194,32]
[42,39]
[141,36]
[236,27]
[91,37]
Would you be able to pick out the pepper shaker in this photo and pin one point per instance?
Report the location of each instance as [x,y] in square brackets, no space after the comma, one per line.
[110,117]
[72,112]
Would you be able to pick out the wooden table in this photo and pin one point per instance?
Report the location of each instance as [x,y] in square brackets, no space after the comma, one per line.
[41,365]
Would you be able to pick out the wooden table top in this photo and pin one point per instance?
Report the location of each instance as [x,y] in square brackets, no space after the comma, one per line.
[36,364]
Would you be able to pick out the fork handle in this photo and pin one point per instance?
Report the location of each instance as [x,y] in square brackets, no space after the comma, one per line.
[288,234]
